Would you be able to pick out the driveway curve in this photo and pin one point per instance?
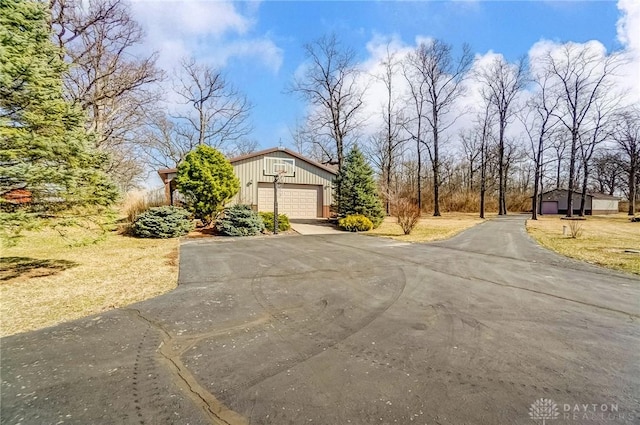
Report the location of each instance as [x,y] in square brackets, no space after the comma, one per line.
[346,329]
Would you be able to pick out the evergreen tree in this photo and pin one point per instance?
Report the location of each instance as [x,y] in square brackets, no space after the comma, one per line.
[44,148]
[358,194]
[206,178]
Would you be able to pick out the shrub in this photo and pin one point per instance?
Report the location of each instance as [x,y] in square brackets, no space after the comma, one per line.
[356,192]
[283,221]
[162,222]
[240,220]
[207,181]
[355,223]
[575,229]
[408,214]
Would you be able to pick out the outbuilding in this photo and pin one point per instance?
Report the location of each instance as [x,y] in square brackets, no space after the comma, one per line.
[555,202]
[305,189]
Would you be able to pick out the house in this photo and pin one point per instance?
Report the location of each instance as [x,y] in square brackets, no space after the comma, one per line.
[306,190]
[17,196]
[555,202]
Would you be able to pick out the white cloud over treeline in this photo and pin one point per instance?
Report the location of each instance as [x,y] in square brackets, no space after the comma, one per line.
[212,31]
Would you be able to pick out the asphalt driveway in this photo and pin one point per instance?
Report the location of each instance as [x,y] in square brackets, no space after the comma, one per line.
[338,329]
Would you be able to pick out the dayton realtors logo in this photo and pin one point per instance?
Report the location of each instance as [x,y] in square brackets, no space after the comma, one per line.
[544,410]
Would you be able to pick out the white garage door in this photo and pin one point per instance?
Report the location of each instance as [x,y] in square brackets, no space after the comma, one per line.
[296,201]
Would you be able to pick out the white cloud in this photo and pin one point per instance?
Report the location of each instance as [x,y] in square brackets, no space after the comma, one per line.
[629,35]
[627,80]
[191,17]
[214,31]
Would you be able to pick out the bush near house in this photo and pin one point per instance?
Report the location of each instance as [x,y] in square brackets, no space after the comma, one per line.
[206,178]
[240,220]
[162,222]
[355,223]
[283,221]
[356,189]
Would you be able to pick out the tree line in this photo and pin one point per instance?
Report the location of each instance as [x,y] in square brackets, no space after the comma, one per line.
[559,122]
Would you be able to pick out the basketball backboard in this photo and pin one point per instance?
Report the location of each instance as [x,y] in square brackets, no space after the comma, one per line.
[282,167]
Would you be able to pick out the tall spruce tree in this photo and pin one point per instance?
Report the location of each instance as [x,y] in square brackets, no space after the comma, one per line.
[44,148]
[359,193]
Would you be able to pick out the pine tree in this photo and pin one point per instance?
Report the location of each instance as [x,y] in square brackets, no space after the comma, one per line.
[206,178]
[44,148]
[358,194]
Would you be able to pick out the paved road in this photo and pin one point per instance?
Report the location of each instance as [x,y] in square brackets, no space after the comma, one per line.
[340,329]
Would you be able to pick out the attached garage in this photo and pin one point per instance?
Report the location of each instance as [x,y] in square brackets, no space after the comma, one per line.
[294,200]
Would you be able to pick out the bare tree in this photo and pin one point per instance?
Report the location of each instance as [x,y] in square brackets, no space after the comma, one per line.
[501,84]
[330,85]
[627,136]
[163,144]
[581,76]
[390,143]
[415,126]
[559,146]
[113,86]
[442,78]
[539,123]
[216,113]
[471,145]
[608,170]
[596,130]
[484,124]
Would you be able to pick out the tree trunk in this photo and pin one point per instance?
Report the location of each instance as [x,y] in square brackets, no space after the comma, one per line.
[501,201]
[534,198]
[572,166]
[537,181]
[483,178]
[632,188]
[541,190]
[583,194]
[419,177]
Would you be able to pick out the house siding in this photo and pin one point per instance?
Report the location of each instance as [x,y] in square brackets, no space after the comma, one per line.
[250,171]
[595,203]
[605,206]
[560,196]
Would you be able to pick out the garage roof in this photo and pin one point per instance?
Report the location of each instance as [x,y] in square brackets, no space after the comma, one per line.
[164,171]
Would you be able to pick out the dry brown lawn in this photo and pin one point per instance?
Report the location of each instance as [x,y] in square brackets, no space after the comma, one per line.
[44,281]
[429,228]
[603,241]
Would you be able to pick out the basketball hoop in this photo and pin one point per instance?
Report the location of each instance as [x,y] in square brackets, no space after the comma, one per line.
[278,182]
[279,168]
[278,177]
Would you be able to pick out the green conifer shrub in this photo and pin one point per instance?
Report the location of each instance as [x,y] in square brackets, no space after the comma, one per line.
[240,220]
[162,222]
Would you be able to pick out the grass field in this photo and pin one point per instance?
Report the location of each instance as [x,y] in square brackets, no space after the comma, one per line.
[604,240]
[429,228]
[44,281]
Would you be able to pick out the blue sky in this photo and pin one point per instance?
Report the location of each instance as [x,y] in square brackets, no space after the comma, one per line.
[259,45]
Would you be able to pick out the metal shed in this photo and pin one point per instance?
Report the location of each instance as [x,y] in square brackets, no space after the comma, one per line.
[555,202]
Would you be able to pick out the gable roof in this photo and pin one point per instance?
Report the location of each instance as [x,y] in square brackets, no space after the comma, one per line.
[288,151]
[600,195]
[164,171]
[594,195]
